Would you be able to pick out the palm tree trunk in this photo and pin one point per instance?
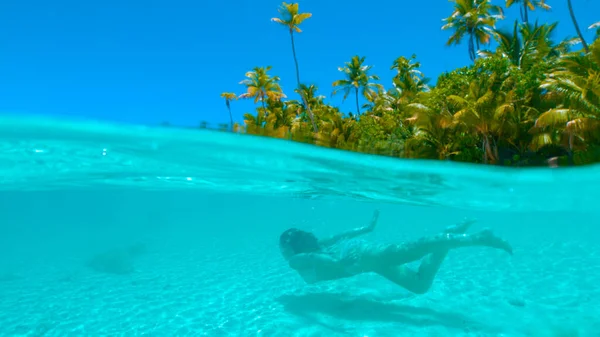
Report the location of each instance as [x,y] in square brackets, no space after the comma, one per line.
[487,151]
[570,142]
[471,48]
[495,150]
[295,58]
[521,12]
[357,106]
[585,46]
[310,114]
[230,115]
[484,151]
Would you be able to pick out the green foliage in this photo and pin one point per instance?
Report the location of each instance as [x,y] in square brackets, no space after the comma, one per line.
[529,101]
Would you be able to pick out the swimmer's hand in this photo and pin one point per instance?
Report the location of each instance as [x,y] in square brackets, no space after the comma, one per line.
[373,223]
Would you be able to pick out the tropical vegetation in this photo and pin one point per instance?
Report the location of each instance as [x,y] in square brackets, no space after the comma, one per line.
[528,100]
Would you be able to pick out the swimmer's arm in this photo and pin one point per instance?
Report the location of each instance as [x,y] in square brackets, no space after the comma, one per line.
[352,233]
[310,260]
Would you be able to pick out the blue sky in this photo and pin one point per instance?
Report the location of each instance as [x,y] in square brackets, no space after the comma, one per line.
[156,60]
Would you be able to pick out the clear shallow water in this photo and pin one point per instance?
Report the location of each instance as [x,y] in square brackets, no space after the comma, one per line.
[207,208]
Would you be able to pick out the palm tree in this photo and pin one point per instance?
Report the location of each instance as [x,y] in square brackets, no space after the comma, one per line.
[434,134]
[528,5]
[255,124]
[310,93]
[312,100]
[530,47]
[291,18]
[282,114]
[229,96]
[409,79]
[575,87]
[262,86]
[538,44]
[475,19]
[576,79]
[585,46]
[381,102]
[477,112]
[510,46]
[357,78]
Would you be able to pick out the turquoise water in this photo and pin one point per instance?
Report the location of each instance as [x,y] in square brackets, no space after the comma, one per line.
[120,230]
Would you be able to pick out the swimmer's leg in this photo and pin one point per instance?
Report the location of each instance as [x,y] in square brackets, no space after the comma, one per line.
[420,281]
[397,254]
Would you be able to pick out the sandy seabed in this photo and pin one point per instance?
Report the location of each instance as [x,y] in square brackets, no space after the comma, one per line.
[206,291]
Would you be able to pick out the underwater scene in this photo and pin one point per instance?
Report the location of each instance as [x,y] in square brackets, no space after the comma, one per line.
[300,169]
[123,230]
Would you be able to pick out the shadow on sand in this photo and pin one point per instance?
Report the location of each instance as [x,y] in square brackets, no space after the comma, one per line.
[355,308]
[117,261]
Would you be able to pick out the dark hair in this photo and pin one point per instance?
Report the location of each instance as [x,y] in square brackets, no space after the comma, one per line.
[299,241]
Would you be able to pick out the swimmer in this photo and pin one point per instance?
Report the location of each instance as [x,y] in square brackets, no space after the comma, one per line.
[343,256]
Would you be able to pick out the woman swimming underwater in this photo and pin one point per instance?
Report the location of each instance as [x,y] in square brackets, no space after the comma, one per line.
[339,257]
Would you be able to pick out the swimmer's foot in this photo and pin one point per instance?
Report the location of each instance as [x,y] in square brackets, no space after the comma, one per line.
[488,238]
[461,227]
